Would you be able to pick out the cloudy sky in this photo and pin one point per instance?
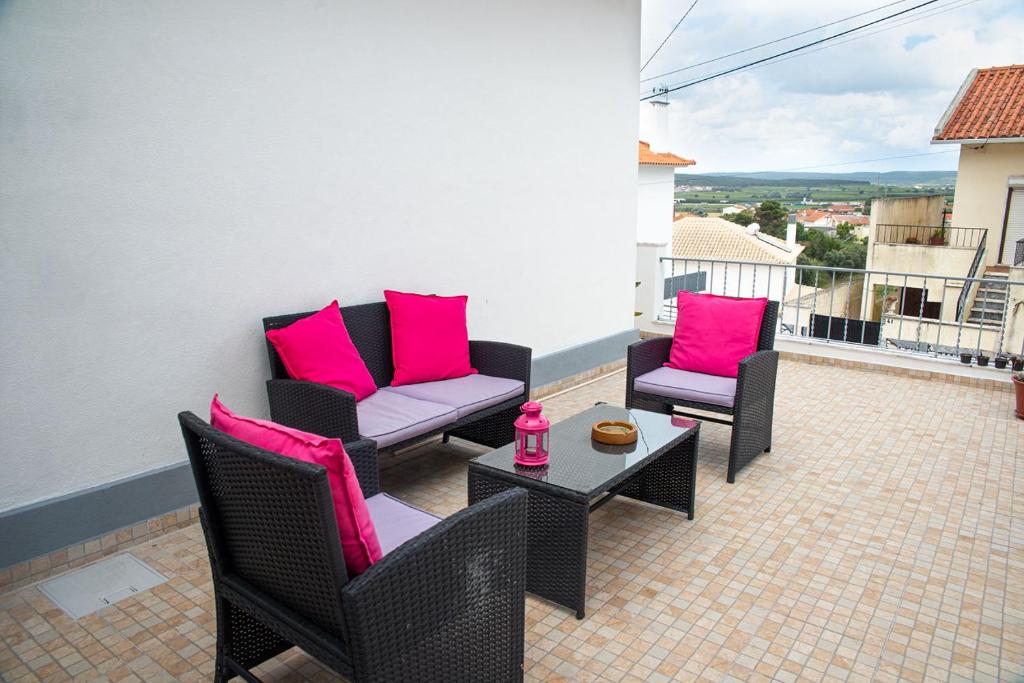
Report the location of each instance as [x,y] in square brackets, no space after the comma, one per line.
[877,96]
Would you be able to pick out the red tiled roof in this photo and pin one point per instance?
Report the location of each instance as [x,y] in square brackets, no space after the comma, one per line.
[810,215]
[661,158]
[990,105]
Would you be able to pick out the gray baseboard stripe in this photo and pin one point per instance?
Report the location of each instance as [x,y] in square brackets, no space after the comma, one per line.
[576,359]
[33,530]
[49,525]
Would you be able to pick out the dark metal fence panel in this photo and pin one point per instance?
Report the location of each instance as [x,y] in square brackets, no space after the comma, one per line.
[688,282]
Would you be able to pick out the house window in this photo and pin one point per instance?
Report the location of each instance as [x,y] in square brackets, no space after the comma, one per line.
[1013,228]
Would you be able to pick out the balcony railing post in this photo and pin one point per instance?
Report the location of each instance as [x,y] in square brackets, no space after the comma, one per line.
[814,306]
[881,312]
[1002,322]
[920,313]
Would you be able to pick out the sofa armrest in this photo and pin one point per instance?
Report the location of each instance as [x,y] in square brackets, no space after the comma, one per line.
[500,359]
[448,604]
[647,355]
[315,408]
[756,375]
[363,454]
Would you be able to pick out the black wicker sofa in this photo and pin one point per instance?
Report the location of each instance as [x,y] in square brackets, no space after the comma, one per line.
[445,603]
[479,408]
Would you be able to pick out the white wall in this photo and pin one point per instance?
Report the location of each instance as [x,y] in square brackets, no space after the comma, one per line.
[654,124]
[170,172]
[655,204]
[982,181]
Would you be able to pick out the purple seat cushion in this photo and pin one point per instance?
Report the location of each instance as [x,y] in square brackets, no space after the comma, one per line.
[466,394]
[388,417]
[396,522]
[688,386]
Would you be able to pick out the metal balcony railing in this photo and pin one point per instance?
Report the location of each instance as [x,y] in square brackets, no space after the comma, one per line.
[930,235]
[1018,255]
[913,313]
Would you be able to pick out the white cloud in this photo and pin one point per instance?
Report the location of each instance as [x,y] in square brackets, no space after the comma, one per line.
[868,98]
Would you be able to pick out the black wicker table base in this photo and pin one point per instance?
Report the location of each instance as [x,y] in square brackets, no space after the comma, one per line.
[583,475]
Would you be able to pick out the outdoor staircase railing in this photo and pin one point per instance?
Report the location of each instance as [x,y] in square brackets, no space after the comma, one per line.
[965,291]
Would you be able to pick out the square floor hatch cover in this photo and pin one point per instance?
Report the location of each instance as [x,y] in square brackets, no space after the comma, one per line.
[100,584]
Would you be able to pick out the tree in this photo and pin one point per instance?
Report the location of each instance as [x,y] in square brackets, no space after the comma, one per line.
[822,249]
[744,217]
[844,231]
[771,216]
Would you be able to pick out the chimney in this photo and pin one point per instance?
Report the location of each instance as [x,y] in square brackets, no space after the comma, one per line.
[654,124]
[791,231]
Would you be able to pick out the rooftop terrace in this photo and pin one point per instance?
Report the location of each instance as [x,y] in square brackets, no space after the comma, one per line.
[878,541]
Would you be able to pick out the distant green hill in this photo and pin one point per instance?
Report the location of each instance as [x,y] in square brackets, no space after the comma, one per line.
[798,179]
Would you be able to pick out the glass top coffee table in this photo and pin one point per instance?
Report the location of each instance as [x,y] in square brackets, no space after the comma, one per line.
[582,475]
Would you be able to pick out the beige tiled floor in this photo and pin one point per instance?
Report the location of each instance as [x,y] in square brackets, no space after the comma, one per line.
[878,541]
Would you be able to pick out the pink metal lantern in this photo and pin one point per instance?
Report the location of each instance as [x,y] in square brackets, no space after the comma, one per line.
[532,436]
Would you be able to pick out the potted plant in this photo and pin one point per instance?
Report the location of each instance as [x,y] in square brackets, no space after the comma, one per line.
[912,240]
[938,238]
[1018,388]
[965,358]
[1017,363]
[1001,361]
[982,360]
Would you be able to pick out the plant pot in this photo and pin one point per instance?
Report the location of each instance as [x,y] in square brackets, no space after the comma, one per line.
[1018,388]
[937,241]
[1017,364]
[982,361]
[965,358]
[1000,362]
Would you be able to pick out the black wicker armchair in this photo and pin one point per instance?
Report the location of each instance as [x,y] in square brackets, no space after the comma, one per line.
[750,402]
[330,412]
[447,605]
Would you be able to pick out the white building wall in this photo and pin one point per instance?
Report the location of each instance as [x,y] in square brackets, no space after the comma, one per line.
[171,172]
[655,204]
[982,183]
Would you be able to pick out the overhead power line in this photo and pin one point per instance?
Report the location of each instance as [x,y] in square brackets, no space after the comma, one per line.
[770,42]
[935,11]
[655,53]
[664,91]
[865,161]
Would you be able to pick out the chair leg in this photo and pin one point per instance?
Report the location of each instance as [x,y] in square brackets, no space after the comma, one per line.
[446,437]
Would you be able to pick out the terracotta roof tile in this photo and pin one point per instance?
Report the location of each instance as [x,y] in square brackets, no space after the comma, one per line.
[721,240]
[810,215]
[661,158]
[989,105]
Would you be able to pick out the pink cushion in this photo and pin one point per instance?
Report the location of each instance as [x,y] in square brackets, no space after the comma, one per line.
[359,542]
[429,338]
[714,333]
[318,349]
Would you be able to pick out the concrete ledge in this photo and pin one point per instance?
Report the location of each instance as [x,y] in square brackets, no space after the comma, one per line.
[34,530]
[578,359]
[893,363]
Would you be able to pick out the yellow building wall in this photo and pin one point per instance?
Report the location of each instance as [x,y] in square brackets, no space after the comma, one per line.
[981,189]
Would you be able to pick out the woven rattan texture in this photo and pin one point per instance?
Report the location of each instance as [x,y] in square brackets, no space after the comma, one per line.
[753,407]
